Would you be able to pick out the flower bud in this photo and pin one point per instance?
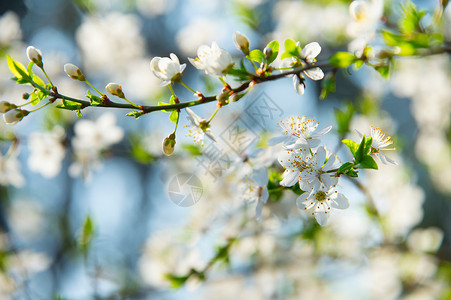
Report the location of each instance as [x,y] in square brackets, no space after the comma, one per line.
[235,97]
[35,56]
[115,89]
[169,144]
[25,96]
[223,98]
[241,42]
[74,72]
[13,116]
[5,106]
[268,52]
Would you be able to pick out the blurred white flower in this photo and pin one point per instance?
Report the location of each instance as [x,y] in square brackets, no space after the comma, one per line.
[425,240]
[167,69]
[366,17]
[253,189]
[213,60]
[10,25]
[116,38]
[47,152]
[10,170]
[199,32]
[153,8]
[92,137]
[27,263]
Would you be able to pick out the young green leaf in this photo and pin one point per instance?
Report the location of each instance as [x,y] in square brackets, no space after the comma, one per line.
[256,55]
[353,146]
[87,234]
[368,162]
[345,167]
[327,85]
[342,59]
[174,116]
[344,118]
[18,70]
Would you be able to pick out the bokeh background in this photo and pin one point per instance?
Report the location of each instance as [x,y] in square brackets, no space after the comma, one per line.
[85,211]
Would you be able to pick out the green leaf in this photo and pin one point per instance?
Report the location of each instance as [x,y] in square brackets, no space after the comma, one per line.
[174,116]
[368,142]
[345,167]
[256,55]
[328,85]
[164,104]
[69,105]
[240,73]
[353,146]
[192,149]
[30,69]
[95,100]
[176,281]
[135,114]
[172,99]
[291,49]
[274,45]
[410,21]
[79,114]
[384,70]
[360,151]
[18,70]
[342,59]
[359,63]
[34,99]
[344,118]
[38,80]
[87,234]
[368,163]
[352,173]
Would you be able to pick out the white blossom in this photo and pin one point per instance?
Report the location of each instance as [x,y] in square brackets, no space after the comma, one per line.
[318,203]
[213,60]
[199,128]
[380,143]
[167,69]
[299,133]
[309,54]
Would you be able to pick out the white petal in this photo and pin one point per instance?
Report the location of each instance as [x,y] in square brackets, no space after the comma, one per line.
[311,51]
[174,58]
[314,74]
[301,199]
[277,140]
[290,178]
[388,159]
[196,63]
[340,202]
[321,218]
[182,68]
[298,86]
[260,176]
[322,131]
[320,157]
[313,143]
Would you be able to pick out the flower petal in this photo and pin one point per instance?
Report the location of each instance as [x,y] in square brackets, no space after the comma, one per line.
[340,202]
[314,74]
[298,85]
[311,51]
[321,218]
[260,176]
[290,177]
[301,199]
